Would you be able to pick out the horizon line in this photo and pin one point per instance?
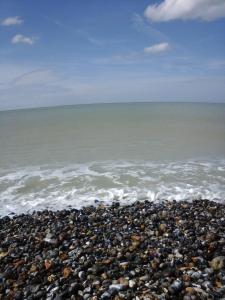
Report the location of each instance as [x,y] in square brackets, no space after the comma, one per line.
[105,103]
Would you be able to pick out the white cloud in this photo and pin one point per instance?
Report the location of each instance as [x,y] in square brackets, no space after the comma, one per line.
[12,21]
[21,39]
[157,48]
[207,10]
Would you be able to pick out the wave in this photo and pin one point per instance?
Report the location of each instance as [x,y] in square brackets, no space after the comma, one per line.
[77,185]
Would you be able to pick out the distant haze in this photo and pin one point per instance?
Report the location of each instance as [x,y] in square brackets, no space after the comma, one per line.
[54,53]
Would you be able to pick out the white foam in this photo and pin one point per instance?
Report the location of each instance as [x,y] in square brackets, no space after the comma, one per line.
[78,185]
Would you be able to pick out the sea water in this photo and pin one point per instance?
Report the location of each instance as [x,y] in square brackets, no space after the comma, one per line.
[74,156]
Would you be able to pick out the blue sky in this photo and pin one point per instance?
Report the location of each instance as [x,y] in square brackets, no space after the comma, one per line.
[68,52]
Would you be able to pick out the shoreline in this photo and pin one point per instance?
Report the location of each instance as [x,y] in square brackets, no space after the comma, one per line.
[168,250]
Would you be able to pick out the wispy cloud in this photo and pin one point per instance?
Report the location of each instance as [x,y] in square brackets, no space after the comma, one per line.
[134,57]
[47,87]
[10,21]
[142,26]
[84,34]
[119,59]
[88,37]
[36,77]
[27,86]
[22,39]
[59,23]
[157,48]
[168,10]
[100,41]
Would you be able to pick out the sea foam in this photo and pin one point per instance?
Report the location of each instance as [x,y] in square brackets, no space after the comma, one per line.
[77,185]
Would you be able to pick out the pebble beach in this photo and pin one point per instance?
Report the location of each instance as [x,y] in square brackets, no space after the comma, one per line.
[167,250]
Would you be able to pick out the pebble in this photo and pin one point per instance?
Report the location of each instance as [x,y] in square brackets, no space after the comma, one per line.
[169,250]
[217,263]
[176,286]
[132,283]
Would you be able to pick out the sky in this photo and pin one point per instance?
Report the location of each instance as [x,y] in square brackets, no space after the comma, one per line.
[55,52]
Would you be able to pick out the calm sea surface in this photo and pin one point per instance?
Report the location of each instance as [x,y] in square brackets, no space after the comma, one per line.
[71,156]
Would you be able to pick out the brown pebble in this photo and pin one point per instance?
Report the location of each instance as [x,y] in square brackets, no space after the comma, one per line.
[66,272]
[217,263]
[48,264]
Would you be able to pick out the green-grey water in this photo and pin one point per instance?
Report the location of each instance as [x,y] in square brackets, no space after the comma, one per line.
[56,157]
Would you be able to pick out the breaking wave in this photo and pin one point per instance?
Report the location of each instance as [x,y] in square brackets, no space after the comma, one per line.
[64,186]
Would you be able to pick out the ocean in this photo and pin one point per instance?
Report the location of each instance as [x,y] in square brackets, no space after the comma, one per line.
[74,156]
